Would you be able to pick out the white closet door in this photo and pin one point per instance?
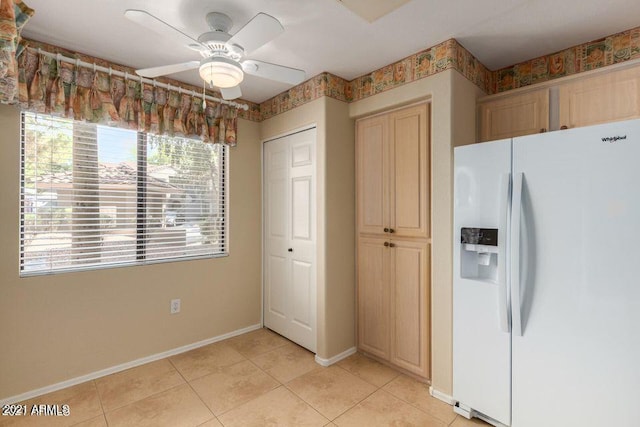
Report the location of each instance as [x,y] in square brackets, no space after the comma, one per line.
[290,237]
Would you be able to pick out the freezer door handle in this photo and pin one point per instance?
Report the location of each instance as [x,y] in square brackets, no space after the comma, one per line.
[516,213]
[503,303]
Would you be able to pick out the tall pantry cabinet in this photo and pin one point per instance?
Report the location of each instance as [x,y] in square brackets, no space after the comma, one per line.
[393,194]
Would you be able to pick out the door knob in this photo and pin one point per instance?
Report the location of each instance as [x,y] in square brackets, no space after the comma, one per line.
[391,230]
[392,245]
[290,250]
[386,243]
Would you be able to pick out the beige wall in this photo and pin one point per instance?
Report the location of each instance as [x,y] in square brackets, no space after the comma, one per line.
[340,228]
[62,326]
[452,99]
[336,216]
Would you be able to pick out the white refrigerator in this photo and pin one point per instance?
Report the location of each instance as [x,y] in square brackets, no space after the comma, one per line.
[546,290]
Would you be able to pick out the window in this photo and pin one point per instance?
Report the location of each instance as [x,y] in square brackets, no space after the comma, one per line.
[95,196]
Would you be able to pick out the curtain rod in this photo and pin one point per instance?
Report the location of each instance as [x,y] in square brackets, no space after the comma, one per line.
[111,71]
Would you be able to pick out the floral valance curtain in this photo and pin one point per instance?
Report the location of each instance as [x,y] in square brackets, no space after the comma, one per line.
[13,15]
[47,85]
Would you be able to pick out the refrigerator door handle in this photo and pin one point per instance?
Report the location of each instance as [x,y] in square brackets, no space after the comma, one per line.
[516,213]
[503,303]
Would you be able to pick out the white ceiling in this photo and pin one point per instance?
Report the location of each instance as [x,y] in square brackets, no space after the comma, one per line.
[323,35]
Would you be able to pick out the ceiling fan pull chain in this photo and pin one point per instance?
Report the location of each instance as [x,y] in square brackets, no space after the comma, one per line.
[204,101]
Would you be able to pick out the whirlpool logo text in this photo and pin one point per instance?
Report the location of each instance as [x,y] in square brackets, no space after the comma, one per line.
[612,139]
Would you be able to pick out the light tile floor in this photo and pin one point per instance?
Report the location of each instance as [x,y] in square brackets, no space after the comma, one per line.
[256,379]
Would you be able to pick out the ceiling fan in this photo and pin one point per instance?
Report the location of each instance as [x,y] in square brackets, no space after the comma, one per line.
[223,62]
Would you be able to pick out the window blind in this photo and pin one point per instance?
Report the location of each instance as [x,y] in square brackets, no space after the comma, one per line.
[95,196]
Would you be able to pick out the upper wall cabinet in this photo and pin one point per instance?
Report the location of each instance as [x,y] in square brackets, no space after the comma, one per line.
[575,101]
[393,173]
[602,98]
[514,115]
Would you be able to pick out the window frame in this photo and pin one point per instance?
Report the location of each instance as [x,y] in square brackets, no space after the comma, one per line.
[142,217]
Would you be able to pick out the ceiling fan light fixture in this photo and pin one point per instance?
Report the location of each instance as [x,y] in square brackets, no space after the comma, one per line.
[221,72]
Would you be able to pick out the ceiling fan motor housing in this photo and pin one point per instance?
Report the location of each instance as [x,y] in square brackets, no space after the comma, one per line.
[219,22]
[216,39]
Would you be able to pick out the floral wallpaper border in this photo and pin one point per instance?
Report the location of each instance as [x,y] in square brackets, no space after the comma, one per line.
[620,47]
[450,54]
[441,57]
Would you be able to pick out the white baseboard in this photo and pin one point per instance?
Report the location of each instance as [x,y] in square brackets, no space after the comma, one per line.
[441,396]
[112,370]
[336,358]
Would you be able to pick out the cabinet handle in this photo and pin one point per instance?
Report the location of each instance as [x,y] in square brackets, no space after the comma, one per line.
[392,245]
[386,244]
[386,230]
[290,249]
[391,230]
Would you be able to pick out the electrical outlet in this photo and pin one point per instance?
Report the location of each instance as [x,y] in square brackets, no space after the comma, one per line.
[175,306]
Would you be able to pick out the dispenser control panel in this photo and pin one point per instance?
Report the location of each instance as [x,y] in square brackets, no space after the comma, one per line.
[479,254]
[479,236]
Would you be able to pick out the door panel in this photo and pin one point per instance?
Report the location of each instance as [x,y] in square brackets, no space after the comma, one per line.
[290,231]
[604,98]
[302,292]
[301,208]
[514,115]
[301,307]
[409,170]
[409,306]
[373,297]
[277,216]
[277,269]
[481,379]
[372,154]
[580,299]
[277,286]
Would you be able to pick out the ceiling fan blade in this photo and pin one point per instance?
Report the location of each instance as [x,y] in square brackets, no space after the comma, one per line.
[261,29]
[230,93]
[274,72]
[157,25]
[167,69]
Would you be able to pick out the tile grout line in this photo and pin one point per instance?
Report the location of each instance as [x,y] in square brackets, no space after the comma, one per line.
[415,406]
[346,410]
[362,400]
[145,397]
[246,359]
[398,373]
[308,404]
[209,373]
[284,384]
[104,413]
[194,391]
[267,373]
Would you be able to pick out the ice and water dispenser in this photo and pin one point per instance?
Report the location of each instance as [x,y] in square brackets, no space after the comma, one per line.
[479,253]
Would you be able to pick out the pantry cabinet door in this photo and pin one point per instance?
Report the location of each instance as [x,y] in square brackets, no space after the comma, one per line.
[372,140]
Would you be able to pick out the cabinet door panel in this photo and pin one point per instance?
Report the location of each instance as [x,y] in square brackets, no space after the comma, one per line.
[372,163]
[409,172]
[373,297]
[410,306]
[605,98]
[514,115]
